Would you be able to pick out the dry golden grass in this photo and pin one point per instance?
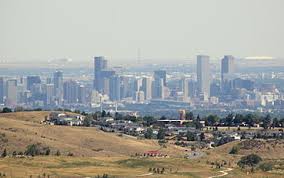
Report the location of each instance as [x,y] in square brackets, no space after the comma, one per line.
[24,128]
[97,152]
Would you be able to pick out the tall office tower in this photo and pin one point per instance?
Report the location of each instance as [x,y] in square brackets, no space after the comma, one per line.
[125,87]
[31,80]
[48,80]
[1,90]
[227,67]
[114,88]
[147,87]
[192,88]
[158,89]
[140,97]
[136,87]
[227,73]
[158,74]
[106,86]
[48,91]
[185,89]
[58,87]
[203,76]
[11,92]
[21,94]
[71,89]
[100,64]
[105,75]
[23,81]
[82,94]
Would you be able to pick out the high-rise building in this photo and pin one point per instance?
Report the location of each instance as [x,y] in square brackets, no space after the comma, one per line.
[160,78]
[100,64]
[1,90]
[159,89]
[125,87]
[158,74]
[227,67]
[31,80]
[114,88]
[185,89]
[147,87]
[139,97]
[71,90]
[203,76]
[192,88]
[48,91]
[105,75]
[82,94]
[11,92]
[137,84]
[227,73]
[58,86]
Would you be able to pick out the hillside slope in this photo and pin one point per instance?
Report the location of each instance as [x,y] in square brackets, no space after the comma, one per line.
[17,130]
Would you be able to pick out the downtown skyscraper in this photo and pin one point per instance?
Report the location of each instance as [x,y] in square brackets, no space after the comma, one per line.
[58,87]
[203,76]
[227,73]
[100,64]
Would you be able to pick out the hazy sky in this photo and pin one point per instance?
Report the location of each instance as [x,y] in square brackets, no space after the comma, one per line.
[80,29]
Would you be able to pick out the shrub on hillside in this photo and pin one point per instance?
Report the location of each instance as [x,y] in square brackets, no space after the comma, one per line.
[249,161]
[234,150]
[266,167]
[36,149]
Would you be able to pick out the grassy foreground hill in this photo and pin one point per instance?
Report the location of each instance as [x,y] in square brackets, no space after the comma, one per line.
[24,128]
[96,152]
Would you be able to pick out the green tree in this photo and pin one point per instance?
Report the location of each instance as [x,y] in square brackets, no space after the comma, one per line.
[148,120]
[266,167]
[249,161]
[87,122]
[58,153]
[4,154]
[229,119]
[149,133]
[234,150]
[267,121]
[275,122]
[212,119]
[32,150]
[197,123]
[189,116]
[161,134]
[190,136]
[202,136]
[6,110]
[104,113]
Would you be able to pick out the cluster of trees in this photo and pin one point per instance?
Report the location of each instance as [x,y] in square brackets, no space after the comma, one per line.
[32,150]
[249,161]
[237,119]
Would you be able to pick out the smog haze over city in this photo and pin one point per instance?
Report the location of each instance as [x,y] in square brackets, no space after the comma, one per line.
[161,30]
[140,88]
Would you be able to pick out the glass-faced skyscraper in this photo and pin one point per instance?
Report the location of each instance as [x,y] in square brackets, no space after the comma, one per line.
[227,67]
[203,76]
[227,73]
[100,64]
[58,86]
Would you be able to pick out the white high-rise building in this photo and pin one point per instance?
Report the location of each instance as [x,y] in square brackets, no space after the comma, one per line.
[147,87]
[203,76]
[11,93]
